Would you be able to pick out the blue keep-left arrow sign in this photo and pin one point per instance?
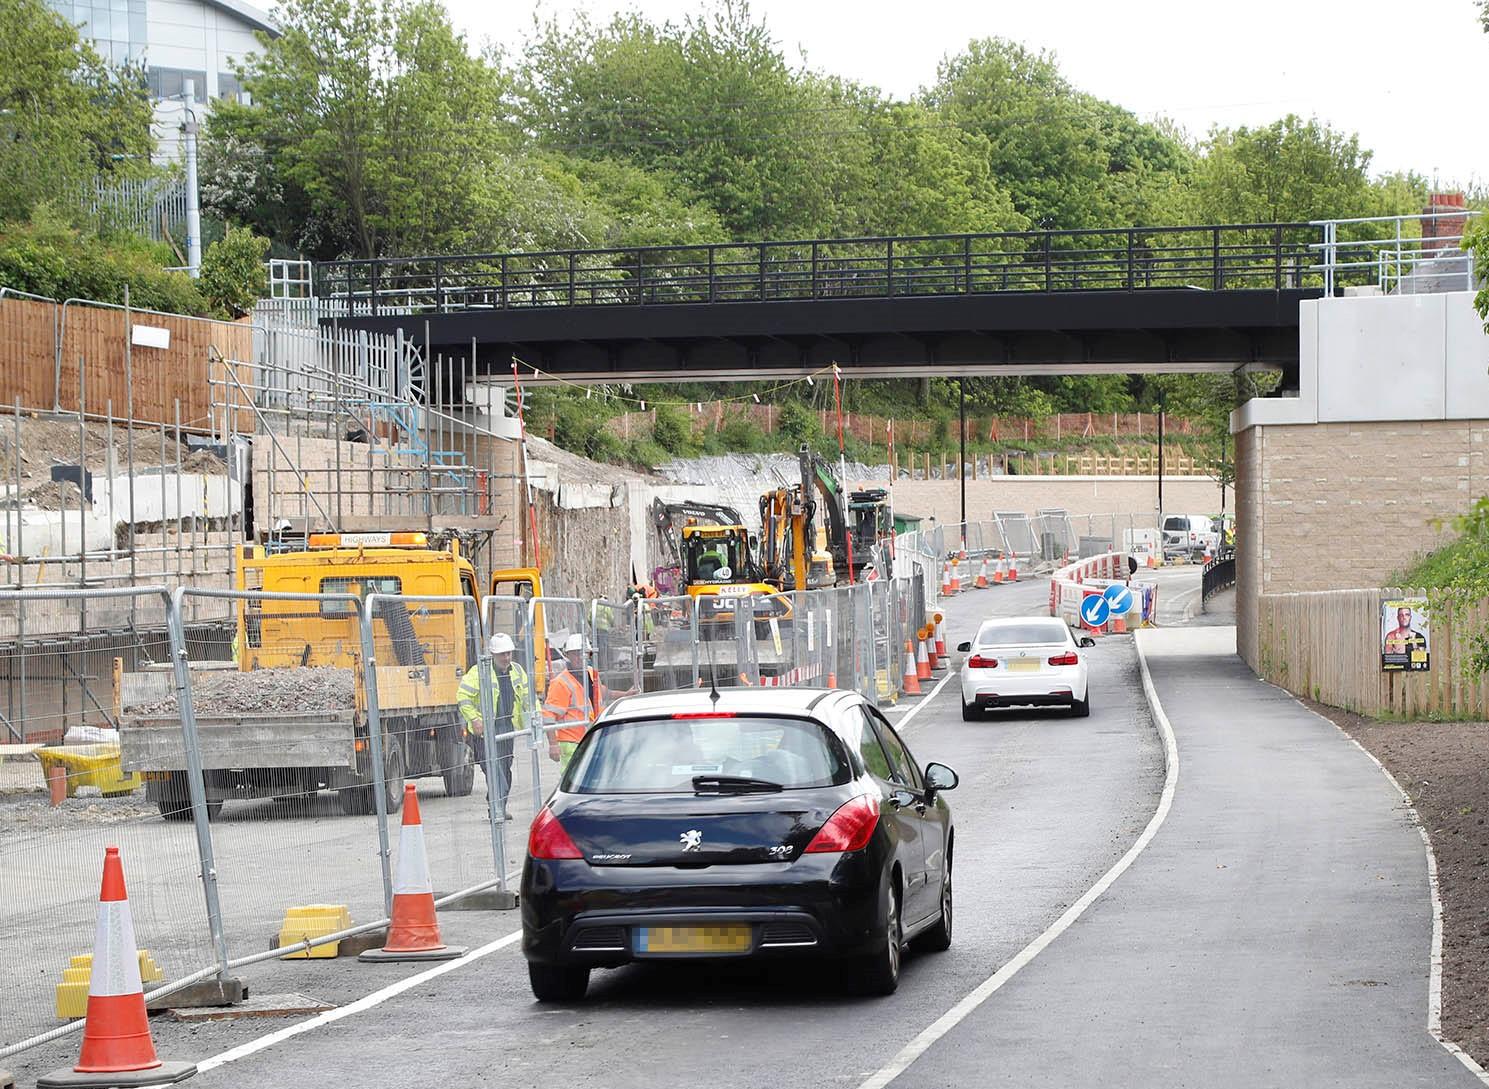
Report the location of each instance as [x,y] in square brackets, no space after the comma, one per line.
[1095,611]
[1119,598]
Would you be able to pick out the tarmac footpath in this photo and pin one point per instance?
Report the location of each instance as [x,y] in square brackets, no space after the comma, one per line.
[1276,931]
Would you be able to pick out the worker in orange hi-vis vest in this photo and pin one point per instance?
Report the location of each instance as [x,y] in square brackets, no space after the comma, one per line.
[575,697]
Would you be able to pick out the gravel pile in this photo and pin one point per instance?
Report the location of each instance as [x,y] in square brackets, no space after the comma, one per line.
[273,691]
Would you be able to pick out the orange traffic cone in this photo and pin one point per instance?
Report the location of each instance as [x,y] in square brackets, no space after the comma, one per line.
[1000,568]
[940,632]
[922,657]
[912,679]
[981,581]
[945,578]
[413,931]
[117,1049]
[956,576]
[1013,567]
[924,635]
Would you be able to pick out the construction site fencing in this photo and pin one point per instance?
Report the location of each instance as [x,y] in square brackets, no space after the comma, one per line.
[51,856]
[260,765]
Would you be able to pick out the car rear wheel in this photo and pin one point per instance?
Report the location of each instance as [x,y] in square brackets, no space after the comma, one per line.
[1081,708]
[557,983]
[938,938]
[970,712]
[879,972]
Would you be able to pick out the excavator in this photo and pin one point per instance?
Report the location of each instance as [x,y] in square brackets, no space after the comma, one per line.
[797,553]
[715,565]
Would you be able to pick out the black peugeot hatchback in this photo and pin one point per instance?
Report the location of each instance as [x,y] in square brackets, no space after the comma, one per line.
[748,823]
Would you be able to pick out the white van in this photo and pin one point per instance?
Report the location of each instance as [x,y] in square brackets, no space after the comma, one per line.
[1189,535]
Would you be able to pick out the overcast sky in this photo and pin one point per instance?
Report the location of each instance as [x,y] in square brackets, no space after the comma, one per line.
[1409,78]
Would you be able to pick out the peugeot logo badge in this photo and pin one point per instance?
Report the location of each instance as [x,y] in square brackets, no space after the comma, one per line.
[691,840]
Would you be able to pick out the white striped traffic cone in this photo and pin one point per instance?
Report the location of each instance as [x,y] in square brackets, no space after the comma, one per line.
[413,930]
[981,581]
[117,1049]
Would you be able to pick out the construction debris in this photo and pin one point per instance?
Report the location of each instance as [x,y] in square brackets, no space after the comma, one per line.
[277,691]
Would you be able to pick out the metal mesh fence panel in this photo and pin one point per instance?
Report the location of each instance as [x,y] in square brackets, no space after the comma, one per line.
[435,709]
[51,856]
[1018,532]
[279,729]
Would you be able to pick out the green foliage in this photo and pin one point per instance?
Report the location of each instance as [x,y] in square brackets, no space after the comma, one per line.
[1291,171]
[232,278]
[46,256]
[673,431]
[65,115]
[1068,159]
[1476,240]
[799,424]
[1457,574]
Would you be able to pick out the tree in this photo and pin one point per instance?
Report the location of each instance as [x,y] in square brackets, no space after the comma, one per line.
[1290,171]
[711,102]
[376,123]
[232,277]
[1476,241]
[1067,159]
[66,116]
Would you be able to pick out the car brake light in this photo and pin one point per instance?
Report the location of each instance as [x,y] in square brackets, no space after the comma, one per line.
[849,828]
[706,714]
[1070,657]
[977,661]
[548,839]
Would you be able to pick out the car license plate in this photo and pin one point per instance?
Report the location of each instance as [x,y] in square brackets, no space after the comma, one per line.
[705,940]
[1024,665]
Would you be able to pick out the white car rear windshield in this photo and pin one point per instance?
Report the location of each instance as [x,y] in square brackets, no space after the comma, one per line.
[1015,635]
[665,755]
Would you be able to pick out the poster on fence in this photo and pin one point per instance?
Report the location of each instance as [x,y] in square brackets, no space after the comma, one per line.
[1405,636]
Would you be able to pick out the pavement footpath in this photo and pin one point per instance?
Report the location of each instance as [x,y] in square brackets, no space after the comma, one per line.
[1276,932]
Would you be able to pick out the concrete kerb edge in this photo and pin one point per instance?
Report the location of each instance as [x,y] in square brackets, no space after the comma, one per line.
[1434,983]
[928,1036]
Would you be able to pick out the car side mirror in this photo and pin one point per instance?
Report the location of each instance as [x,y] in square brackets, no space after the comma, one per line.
[1087,641]
[963,648]
[940,777]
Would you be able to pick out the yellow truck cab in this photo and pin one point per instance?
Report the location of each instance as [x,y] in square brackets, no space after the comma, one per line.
[517,586]
[300,724]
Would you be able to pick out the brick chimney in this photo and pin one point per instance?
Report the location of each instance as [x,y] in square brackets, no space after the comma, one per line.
[1450,227]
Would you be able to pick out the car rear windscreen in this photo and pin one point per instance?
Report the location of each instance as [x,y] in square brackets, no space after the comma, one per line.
[1013,635]
[1176,522]
[664,755]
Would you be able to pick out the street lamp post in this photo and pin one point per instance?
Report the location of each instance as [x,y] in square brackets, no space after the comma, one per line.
[193,196]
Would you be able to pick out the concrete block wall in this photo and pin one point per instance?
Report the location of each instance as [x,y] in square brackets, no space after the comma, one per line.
[1335,506]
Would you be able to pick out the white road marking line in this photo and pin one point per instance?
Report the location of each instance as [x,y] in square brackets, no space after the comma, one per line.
[904,723]
[1434,979]
[367,1002]
[985,990]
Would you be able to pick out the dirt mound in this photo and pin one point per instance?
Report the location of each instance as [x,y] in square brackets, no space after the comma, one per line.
[271,691]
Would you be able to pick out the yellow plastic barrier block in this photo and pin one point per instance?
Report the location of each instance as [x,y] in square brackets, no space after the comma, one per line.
[72,992]
[313,921]
[89,765]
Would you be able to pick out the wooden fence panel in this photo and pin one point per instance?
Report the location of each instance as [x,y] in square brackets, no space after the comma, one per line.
[1326,646]
[141,382]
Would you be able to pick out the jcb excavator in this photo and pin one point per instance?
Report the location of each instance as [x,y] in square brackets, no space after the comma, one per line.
[716,567]
[793,552]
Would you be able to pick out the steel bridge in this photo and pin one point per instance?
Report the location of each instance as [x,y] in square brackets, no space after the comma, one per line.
[1212,298]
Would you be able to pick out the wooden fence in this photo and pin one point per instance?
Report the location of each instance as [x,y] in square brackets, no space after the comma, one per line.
[97,367]
[1326,646]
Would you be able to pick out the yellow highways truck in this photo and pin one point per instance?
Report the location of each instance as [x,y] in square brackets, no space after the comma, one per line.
[289,717]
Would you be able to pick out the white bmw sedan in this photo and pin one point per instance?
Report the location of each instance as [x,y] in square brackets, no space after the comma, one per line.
[1027,661]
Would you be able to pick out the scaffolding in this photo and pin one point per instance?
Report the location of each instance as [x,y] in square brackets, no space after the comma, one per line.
[144,448]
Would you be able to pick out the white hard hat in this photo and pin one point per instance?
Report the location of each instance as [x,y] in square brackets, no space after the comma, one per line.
[575,643]
[501,643]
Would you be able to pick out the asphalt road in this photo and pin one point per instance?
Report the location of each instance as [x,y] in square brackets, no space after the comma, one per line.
[1275,933]
[1045,806]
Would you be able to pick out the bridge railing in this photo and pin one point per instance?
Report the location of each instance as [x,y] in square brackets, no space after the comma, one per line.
[1210,258]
